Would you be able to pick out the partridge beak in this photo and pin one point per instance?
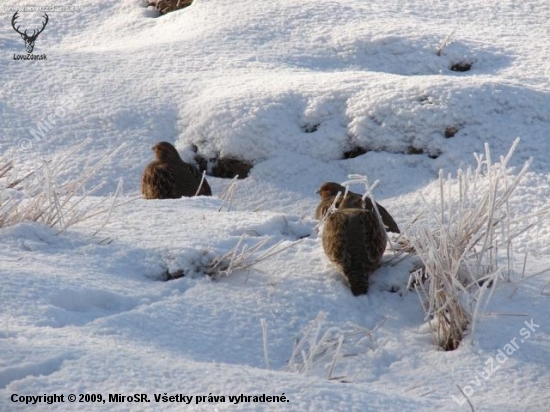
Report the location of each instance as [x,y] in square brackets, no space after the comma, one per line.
[318,191]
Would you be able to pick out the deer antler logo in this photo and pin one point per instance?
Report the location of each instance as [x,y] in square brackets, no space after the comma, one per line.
[29,40]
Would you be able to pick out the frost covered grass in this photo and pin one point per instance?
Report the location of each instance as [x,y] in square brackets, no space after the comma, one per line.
[322,346]
[471,248]
[242,257]
[41,196]
[227,194]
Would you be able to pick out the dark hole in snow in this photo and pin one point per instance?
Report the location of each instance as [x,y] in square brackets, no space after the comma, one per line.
[426,99]
[229,168]
[415,151]
[167,275]
[433,154]
[450,131]
[461,67]
[310,128]
[451,343]
[354,152]
[167,6]
[224,167]
[202,163]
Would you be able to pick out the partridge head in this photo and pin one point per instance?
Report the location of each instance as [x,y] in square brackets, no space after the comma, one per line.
[328,192]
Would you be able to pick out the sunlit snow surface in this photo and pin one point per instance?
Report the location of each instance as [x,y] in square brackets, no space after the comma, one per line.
[289,86]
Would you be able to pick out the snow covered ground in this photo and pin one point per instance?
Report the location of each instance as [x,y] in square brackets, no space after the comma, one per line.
[290,87]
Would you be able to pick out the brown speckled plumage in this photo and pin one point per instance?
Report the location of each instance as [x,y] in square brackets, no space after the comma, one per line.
[354,241]
[169,177]
[328,192]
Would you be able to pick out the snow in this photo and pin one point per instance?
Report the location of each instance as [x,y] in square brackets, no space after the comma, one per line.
[290,87]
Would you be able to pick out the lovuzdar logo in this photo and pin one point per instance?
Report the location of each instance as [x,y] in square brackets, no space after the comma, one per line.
[29,39]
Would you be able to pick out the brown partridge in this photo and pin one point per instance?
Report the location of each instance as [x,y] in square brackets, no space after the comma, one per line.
[328,192]
[169,177]
[354,240]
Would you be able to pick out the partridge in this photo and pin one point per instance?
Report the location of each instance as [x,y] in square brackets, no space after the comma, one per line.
[169,177]
[328,192]
[354,240]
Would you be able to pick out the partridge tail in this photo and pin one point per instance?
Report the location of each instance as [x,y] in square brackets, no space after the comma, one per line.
[358,281]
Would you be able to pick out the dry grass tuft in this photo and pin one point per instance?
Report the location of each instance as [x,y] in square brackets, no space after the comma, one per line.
[227,194]
[242,257]
[474,230]
[38,196]
[316,347]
